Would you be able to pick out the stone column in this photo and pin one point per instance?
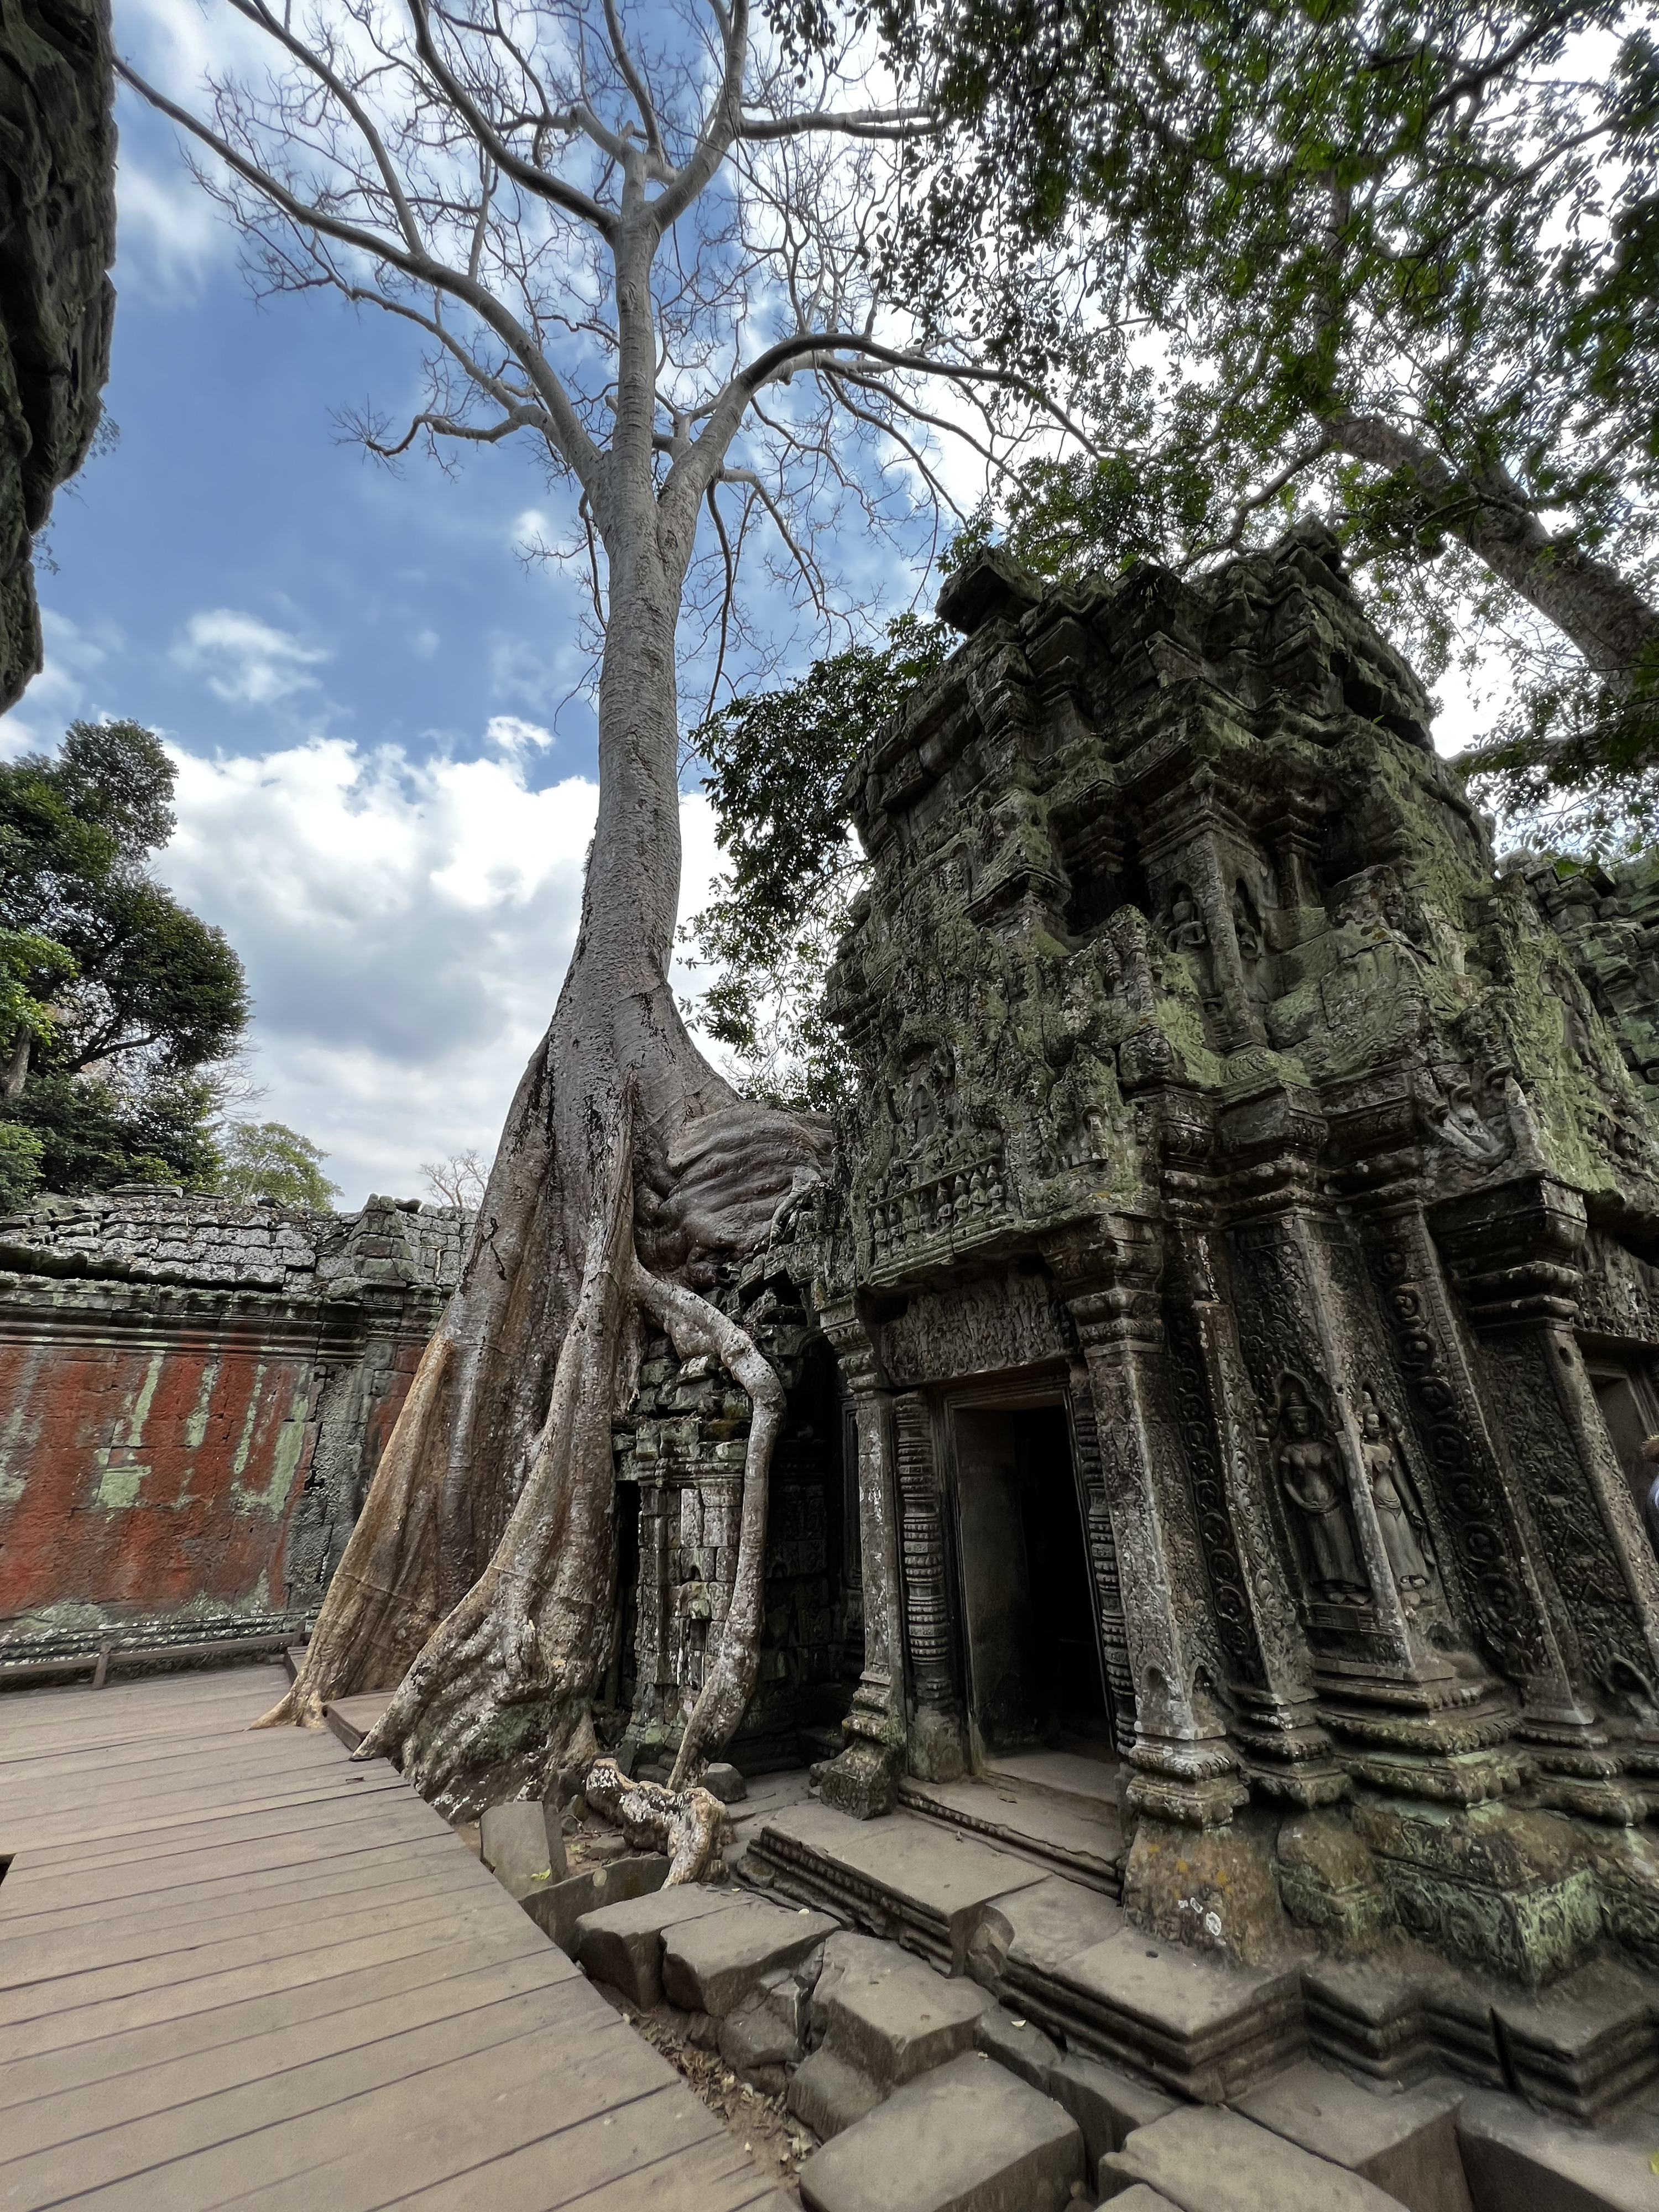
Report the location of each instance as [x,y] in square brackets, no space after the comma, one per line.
[864,1780]
[1516,1257]
[936,1735]
[1186,1771]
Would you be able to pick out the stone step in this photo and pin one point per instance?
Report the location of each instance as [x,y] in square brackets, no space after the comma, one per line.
[557,1907]
[1067,1959]
[622,1944]
[901,1877]
[1518,2159]
[1089,1786]
[1063,1835]
[890,2015]
[966,2137]
[710,1963]
[1205,2159]
[1405,2143]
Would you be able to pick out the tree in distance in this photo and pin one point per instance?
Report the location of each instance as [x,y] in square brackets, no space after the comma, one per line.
[459,1180]
[267,1159]
[655,262]
[119,1009]
[1395,264]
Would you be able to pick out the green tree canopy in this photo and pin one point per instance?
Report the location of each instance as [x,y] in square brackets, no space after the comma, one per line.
[267,1159]
[777,764]
[1396,264]
[118,1006]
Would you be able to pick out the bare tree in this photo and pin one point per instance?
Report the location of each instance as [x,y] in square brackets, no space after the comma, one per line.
[459,1179]
[659,265]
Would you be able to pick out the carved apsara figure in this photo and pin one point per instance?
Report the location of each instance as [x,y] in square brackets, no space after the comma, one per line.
[1184,931]
[1389,1486]
[1310,1474]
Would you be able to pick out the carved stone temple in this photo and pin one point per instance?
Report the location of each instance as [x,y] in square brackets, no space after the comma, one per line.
[1240,1280]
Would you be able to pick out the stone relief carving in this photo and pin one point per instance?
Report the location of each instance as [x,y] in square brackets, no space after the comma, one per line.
[1311,1476]
[1405,1531]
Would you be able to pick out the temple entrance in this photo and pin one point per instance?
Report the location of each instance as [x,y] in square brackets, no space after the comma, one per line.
[1032,1650]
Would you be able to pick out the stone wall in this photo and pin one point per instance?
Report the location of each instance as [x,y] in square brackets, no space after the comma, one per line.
[679,1459]
[193,1397]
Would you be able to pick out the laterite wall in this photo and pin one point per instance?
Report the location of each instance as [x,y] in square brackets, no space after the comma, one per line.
[193,1397]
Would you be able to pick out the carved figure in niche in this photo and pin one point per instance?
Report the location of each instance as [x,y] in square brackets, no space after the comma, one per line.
[1390,1487]
[1184,930]
[1310,1474]
[1247,927]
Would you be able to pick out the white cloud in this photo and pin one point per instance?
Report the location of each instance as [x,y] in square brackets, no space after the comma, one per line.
[170,232]
[405,929]
[245,661]
[512,734]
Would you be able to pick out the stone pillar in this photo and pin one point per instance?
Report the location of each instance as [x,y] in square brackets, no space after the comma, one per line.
[1287,1753]
[1103,1561]
[864,1780]
[1516,1257]
[936,1736]
[1185,1772]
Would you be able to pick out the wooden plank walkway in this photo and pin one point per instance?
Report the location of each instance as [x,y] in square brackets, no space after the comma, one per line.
[237,1969]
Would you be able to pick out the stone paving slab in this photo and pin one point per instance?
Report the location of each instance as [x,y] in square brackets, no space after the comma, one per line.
[1405,2143]
[1208,2160]
[901,1876]
[968,2137]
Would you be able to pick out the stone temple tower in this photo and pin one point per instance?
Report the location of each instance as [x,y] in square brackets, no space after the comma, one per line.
[1241,1272]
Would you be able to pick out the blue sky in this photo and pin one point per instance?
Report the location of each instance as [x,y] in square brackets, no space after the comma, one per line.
[385,783]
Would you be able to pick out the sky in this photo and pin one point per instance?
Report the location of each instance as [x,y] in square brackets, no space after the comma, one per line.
[373,696]
[385,787]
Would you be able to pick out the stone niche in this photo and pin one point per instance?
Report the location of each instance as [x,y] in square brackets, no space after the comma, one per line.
[1242,1278]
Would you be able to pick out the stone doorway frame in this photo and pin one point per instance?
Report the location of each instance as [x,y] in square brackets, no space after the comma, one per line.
[1046,1388]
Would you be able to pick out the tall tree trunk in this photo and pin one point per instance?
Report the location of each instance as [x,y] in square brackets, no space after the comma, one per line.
[1606,619]
[480,1575]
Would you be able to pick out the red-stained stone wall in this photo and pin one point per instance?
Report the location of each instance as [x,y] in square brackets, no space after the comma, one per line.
[192,1400]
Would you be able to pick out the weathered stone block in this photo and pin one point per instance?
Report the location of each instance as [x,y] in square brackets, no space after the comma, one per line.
[712,1961]
[1405,2143]
[556,1907]
[523,1846]
[1107,2103]
[1208,2160]
[830,2094]
[888,2015]
[622,1944]
[968,2137]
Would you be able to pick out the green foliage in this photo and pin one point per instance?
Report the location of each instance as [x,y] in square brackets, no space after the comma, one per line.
[777,763]
[117,1003]
[267,1159]
[1256,244]
[96,1132]
[20,1165]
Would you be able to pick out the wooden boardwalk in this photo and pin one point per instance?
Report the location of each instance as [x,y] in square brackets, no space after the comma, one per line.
[237,1969]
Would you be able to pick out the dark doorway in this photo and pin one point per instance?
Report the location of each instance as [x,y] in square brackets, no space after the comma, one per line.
[1628,1407]
[1033,1655]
